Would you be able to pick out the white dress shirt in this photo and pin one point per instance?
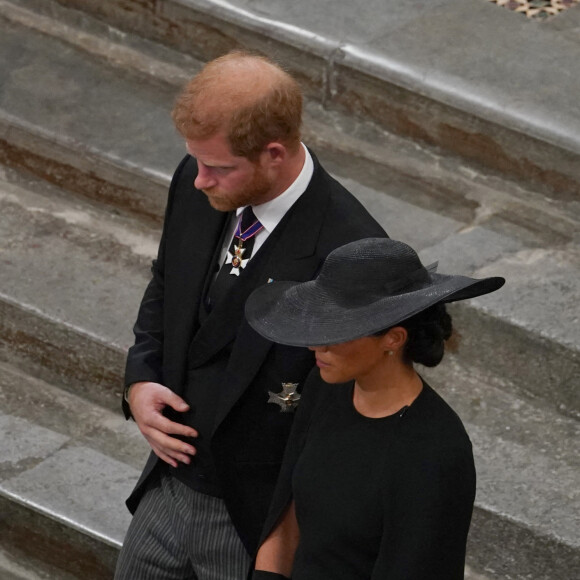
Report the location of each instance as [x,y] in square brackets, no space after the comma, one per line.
[271,212]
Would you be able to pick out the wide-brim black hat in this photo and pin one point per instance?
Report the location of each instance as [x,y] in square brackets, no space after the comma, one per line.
[362,288]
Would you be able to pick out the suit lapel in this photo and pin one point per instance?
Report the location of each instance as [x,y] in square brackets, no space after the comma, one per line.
[287,254]
[291,256]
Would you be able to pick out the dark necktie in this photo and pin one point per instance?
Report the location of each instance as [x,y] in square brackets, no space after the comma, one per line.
[239,253]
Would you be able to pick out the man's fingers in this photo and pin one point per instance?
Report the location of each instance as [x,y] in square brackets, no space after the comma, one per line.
[172,460]
[169,427]
[175,401]
[170,446]
[164,457]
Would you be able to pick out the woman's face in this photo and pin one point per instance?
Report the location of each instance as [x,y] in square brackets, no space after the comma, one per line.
[346,361]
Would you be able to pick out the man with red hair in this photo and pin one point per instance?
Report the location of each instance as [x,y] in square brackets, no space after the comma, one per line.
[247,205]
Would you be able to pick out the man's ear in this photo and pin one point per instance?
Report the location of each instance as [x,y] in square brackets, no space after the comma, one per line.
[275,152]
[395,339]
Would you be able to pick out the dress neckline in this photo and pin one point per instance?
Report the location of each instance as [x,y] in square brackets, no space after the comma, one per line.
[393,416]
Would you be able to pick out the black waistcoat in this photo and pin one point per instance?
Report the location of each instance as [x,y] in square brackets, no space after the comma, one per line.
[206,378]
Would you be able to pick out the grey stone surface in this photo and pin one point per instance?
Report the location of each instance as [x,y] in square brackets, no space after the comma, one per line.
[62,488]
[385,67]
[82,487]
[12,568]
[471,575]
[42,547]
[528,471]
[456,52]
[404,221]
[55,259]
[521,422]
[336,21]
[61,78]
[59,353]
[39,418]
[68,459]
[23,441]
[544,291]
[550,508]
[469,250]
[490,45]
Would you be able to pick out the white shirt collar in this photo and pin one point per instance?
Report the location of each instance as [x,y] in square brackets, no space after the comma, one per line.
[271,212]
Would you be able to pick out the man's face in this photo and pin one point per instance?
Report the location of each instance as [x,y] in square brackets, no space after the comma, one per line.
[229,181]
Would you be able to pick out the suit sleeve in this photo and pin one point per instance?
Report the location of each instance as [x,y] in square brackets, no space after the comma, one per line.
[427,513]
[145,357]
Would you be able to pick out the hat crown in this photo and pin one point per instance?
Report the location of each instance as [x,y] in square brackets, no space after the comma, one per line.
[367,269]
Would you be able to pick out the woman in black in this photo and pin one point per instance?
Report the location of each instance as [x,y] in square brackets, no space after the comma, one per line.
[378,480]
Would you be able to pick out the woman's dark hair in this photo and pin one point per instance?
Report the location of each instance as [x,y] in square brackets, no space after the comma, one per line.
[427,333]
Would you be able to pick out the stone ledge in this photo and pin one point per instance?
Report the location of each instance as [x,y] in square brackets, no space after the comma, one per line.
[458,102]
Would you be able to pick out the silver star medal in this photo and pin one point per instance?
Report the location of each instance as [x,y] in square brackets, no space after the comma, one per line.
[236,260]
[287,398]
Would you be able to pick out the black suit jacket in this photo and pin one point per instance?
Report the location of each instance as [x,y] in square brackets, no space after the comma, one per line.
[249,434]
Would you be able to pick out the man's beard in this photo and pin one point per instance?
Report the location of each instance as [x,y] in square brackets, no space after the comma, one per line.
[253,193]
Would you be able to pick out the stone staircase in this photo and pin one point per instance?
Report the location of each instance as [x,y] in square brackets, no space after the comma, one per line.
[87,150]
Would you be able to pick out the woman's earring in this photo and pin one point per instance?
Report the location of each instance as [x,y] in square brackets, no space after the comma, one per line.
[391,353]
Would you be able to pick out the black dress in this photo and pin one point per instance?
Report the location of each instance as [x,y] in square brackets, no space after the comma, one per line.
[387,498]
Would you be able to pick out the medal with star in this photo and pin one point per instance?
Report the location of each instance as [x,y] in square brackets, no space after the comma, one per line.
[236,259]
[287,399]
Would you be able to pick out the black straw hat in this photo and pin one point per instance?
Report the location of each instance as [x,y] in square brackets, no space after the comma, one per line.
[362,288]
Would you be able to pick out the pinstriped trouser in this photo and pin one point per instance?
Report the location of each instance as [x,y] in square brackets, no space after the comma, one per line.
[180,534]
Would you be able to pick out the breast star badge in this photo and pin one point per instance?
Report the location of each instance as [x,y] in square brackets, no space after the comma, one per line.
[287,398]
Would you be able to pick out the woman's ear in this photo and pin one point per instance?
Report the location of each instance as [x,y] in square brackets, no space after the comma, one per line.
[394,340]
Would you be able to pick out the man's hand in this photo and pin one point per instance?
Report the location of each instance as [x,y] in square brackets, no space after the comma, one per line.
[147,401]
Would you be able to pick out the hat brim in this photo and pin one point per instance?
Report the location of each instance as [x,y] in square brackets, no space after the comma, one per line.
[303,314]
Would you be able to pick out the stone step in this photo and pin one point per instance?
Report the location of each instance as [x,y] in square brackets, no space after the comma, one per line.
[72,278]
[376,61]
[87,149]
[67,467]
[453,184]
[56,334]
[471,223]
[68,464]
[527,499]
[526,522]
